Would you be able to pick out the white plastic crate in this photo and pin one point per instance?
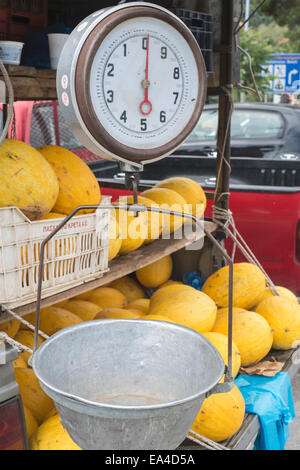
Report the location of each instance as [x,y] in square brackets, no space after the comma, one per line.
[76,254]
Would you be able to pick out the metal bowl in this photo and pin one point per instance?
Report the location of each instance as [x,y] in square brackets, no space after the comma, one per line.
[127,384]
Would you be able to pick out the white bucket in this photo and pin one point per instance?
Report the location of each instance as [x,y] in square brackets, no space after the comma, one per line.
[10,52]
[56,43]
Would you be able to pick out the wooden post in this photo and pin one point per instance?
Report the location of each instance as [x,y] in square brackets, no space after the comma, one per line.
[225,103]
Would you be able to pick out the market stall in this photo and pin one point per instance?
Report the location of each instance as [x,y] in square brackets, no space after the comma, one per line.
[38,290]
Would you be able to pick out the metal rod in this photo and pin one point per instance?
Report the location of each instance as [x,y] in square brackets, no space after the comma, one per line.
[137,208]
[225,107]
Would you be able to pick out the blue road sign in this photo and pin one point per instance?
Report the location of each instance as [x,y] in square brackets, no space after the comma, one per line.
[285,70]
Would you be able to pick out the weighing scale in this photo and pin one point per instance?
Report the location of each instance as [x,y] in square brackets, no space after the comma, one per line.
[131,84]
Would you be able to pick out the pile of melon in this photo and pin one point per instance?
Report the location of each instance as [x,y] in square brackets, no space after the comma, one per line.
[50,182]
[261,321]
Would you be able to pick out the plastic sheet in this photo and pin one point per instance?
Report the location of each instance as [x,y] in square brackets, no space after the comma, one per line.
[193,278]
[271,399]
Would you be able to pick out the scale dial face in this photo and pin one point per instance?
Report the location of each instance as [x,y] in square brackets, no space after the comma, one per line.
[140,83]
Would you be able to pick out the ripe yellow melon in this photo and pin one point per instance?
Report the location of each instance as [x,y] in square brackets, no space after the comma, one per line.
[156,317]
[26,337]
[221,415]
[224,311]
[157,273]
[52,412]
[251,333]
[140,304]
[19,362]
[83,296]
[51,435]
[282,291]
[27,181]
[248,285]
[61,304]
[283,316]
[52,215]
[134,230]
[118,313]
[115,238]
[77,183]
[31,422]
[168,289]
[33,396]
[53,319]
[169,200]
[10,327]
[190,308]
[84,309]
[220,342]
[171,283]
[190,190]
[129,287]
[107,297]
[155,219]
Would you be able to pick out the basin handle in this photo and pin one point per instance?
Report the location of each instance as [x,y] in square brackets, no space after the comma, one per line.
[222,387]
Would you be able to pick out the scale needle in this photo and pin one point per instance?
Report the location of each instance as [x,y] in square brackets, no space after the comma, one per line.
[146,106]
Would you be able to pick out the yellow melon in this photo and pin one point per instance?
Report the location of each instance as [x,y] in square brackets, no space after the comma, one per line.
[33,396]
[27,181]
[84,309]
[171,283]
[168,289]
[155,274]
[248,285]
[156,317]
[10,327]
[190,308]
[190,190]
[129,287]
[220,342]
[107,297]
[30,318]
[83,296]
[140,304]
[115,238]
[221,415]
[52,412]
[61,304]
[169,200]
[31,422]
[26,337]
[251,333]
[224,311]
[134,230]
[52,215]
[282,291]
[53,319]
[283,315]
[118,313]
[19,362]
[77,183]
[51,435]
[155,219]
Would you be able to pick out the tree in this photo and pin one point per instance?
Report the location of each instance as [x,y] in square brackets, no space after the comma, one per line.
[260,50]
[286,13]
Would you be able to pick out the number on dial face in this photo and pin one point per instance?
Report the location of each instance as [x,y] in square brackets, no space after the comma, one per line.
[144,83]
[164,83]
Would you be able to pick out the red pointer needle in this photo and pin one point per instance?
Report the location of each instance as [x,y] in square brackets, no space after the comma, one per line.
[146,106]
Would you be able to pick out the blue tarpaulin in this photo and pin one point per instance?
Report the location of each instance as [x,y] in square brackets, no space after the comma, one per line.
[271,399]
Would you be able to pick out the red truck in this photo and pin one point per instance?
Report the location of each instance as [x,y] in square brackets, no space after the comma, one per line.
[264,183]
